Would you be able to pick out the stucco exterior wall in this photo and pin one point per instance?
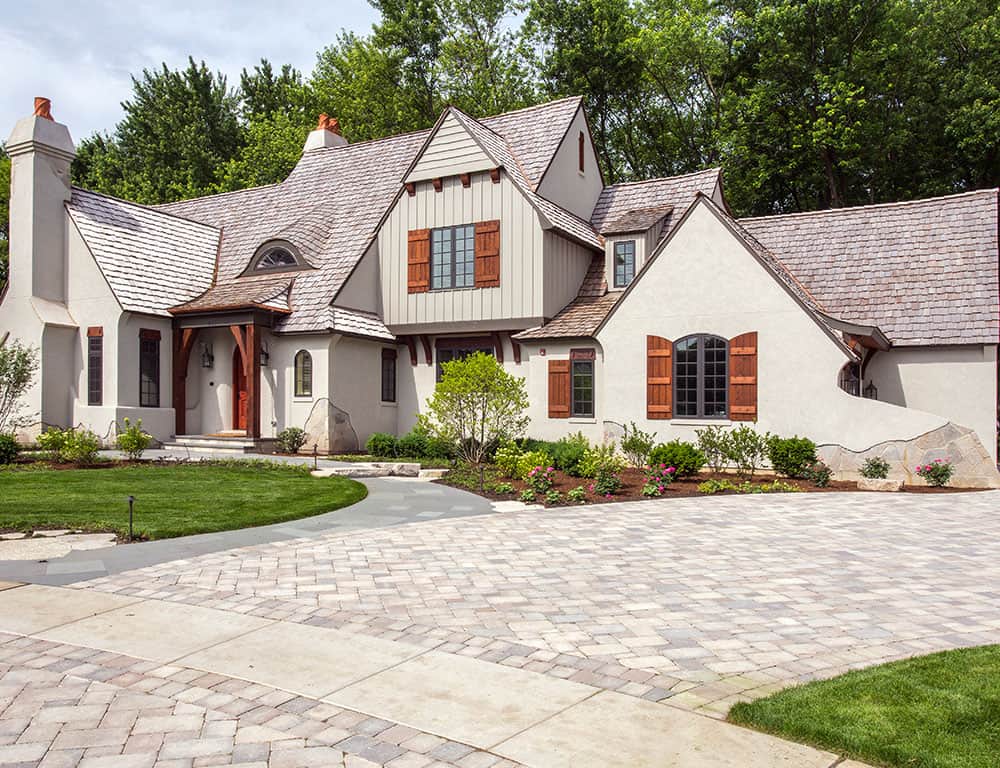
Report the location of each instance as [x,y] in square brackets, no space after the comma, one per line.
[536,357]
[958,383]
[564,183]
[361,291]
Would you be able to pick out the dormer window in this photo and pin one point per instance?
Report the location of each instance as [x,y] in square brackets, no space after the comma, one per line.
[276,256]
[624,263]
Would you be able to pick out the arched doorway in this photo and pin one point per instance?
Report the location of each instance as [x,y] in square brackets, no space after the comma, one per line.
[240,395]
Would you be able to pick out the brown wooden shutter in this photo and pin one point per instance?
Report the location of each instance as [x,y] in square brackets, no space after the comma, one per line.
[659,373]
[418,261]
[743,377]
[559,389]
[487,254]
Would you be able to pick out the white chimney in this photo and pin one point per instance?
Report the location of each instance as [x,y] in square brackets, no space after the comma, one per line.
[327,134]
[41,151]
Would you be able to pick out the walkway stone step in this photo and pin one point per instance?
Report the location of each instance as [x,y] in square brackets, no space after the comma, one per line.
[370,469]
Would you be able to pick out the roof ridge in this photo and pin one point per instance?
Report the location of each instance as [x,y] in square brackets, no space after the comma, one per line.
[160,206]
[531,107]
[714,169]
[353,144]
[150,208]
[872,206]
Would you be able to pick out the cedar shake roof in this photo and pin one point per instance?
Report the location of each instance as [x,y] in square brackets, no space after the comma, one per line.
[675,192]
[638,220]
[924,272]
[151,259]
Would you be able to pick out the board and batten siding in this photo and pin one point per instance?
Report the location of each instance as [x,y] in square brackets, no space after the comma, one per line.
[451,151]
[566,265]
[519,297]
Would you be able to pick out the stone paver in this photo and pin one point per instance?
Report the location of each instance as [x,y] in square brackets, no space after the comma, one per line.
[700,601]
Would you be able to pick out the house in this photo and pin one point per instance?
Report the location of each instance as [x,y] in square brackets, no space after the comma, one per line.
[329,301]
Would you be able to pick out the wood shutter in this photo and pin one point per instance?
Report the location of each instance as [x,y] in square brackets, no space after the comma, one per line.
[487,254]
[743,377]
[559,389]
[659,373]
[418,261]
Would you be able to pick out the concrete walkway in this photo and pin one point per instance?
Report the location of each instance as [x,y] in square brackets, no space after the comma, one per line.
[390,502]
[219,662]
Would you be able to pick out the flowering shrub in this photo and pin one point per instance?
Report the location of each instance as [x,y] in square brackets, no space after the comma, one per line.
[540,479]
[686,460]
[937,473]
[132,441]
[606,483]
[658,478]
[531,460]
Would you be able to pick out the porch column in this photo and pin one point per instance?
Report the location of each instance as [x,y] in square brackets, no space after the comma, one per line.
[249,345]
[183,343]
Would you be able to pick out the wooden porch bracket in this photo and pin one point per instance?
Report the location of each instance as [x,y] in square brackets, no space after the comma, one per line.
[411,345]
[425,340]
[516,348]
[497,346]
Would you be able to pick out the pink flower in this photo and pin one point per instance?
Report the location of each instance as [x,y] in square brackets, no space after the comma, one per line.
[550,469]
[662,466]
[607,495]
[660,488]
[671,470]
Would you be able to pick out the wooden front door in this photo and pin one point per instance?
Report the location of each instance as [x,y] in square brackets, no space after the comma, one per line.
[239,391]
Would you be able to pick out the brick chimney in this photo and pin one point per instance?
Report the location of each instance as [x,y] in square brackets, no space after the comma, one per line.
[41,151]
[327,134]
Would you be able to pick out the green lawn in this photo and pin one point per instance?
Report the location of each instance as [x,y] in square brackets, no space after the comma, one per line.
[171,500]
[937,711]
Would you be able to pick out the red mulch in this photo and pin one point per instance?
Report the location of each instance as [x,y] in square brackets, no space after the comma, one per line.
[634,479]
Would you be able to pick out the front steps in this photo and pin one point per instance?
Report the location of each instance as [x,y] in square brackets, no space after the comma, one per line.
[236,444]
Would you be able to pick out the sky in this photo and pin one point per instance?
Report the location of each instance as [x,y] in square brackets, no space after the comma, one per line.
[81,54]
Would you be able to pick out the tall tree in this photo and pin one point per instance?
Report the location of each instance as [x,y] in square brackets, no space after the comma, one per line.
[264,92]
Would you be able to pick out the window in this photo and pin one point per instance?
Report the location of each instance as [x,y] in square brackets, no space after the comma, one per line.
[149,369]
[453,257]
[275,256]
[388,375]
[448,349]
[582,382]
[95,366]
[303,374]
[624,263]
[701,380]
[581,148]
[850,379]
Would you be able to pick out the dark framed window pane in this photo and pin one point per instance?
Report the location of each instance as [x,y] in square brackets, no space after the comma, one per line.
[447,354]
[583,388]
[453,257]
[149,373]
[95,370]
[303,374]
[701,377]
[388,376]
[624,263]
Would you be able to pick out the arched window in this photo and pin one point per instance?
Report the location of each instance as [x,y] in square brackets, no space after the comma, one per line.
[303,374]
[701,377]
[850,379]
[275,256]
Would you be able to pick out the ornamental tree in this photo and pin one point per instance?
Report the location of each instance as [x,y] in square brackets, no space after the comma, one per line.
[18,364]
[475,406]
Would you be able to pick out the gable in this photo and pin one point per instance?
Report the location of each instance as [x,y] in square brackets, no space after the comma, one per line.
[450,151]
[564,183]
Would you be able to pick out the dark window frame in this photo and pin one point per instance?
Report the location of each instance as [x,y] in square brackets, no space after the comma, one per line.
[95,366]
[582,366]
[389,375]
[629,263]
[581,150]
[302,373]
[149,369]
[703,367]
[447,257]
[446,350]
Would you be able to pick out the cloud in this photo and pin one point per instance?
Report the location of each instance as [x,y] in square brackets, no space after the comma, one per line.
[82,55]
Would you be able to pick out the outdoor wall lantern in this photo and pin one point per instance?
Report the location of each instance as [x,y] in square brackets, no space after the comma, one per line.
[265,356]
[871,391]
[207,358]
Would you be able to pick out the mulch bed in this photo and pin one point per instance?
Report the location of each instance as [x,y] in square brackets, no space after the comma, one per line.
[634,479]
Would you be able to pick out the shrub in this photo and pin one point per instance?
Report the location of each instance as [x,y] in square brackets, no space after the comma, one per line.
[778,486]
[791,455]
[52,441]
[133,441]
[601,458]
[290,440]
[937,473]
[716,486]
[18,365]
[381,444]
[818,474]
[658,479]
[8,448]
[683,457]
[577,495]
[503,488]
[528,461]
[606,483]
[81,446]
[567,453]
[527,496]
[875,468]
[507,458]
[713,442]
[747,449]
[413,444]
[540,478]
[636,445]
[553,497]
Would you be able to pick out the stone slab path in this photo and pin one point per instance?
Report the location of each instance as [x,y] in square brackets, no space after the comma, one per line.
[99,680]
[702,602]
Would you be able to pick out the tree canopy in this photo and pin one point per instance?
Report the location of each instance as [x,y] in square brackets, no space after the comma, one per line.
[806,104]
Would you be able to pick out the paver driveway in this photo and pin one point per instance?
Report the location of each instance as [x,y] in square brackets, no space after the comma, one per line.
[702,601]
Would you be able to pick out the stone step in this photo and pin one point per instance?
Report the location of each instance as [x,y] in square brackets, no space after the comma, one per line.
[236,444]
[371,469]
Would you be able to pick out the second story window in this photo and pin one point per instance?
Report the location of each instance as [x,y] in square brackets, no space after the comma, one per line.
[453,257]
[624,263]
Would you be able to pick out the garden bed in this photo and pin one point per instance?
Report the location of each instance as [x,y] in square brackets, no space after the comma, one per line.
[634,479]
